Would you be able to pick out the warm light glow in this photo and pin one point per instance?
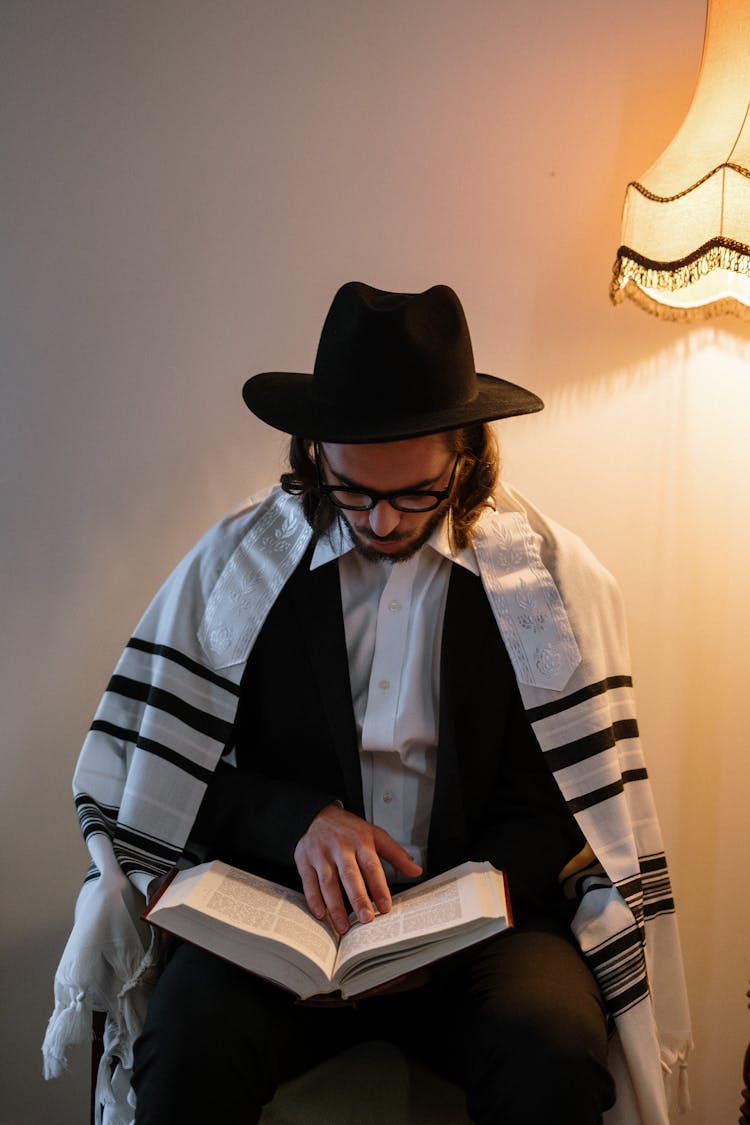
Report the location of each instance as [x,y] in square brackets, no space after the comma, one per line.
[719,287]
[685,250]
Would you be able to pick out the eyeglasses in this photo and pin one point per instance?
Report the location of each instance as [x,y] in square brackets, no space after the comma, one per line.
[364,500]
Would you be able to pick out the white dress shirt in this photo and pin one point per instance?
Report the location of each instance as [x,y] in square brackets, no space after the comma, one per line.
[393,619]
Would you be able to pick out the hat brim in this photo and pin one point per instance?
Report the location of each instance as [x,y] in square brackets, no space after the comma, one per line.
[287,401]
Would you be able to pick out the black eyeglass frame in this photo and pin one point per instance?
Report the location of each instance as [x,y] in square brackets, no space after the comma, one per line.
[437,495]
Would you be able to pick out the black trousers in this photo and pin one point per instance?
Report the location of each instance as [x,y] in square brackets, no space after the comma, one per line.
[517,1022]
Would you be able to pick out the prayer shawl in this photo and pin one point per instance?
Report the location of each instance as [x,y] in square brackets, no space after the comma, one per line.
[168,714]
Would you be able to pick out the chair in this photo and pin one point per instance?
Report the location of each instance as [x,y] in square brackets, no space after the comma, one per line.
[367,1085]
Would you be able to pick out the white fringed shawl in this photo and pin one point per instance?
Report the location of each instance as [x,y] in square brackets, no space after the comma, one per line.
[168,713]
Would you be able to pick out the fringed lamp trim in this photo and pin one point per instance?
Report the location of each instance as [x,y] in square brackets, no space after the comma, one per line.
[633,274]
[726,166]
[727,306]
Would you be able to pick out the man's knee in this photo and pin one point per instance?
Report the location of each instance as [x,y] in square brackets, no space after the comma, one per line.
[538,1044]
[202,1054]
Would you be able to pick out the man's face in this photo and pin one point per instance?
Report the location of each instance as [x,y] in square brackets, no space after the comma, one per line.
[399,466]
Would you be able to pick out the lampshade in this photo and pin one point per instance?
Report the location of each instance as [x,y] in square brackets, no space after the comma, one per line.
[685,251]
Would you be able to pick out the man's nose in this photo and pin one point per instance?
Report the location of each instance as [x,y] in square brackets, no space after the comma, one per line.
[383,518]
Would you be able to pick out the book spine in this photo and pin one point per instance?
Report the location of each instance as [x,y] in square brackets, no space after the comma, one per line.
[157,895]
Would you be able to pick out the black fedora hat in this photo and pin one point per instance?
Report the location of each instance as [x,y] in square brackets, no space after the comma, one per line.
[389,366]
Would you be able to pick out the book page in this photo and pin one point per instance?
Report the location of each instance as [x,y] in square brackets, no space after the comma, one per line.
[245,901]
[433,907]
[432,911]
[220,906]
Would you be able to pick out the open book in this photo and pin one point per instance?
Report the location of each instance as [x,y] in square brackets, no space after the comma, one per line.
[268,929]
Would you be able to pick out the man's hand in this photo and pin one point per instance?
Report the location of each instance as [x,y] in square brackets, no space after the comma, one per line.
[582,859]
[340,849]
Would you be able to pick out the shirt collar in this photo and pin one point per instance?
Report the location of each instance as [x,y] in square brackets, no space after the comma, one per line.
[338,542]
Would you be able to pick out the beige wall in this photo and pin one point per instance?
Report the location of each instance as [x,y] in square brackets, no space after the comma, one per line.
[184,186]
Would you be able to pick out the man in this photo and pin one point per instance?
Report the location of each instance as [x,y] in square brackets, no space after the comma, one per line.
[381,669]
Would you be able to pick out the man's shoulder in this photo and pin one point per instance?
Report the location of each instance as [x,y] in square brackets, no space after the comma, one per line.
[252,553]
[253,534]
[541,550]
[216,598]
[269,515]
[562,550]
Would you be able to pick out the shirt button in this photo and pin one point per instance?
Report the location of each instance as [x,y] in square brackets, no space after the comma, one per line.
[384,685]
[394,607]
[387,798]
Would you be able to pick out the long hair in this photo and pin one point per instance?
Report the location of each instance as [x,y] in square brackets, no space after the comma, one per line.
[473,485]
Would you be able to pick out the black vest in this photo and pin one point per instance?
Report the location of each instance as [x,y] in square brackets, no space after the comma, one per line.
[494,795]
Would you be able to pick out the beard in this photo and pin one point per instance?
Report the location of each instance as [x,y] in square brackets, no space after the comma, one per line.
[367,546]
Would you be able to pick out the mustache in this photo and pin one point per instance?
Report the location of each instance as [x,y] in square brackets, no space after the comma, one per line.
[391,537]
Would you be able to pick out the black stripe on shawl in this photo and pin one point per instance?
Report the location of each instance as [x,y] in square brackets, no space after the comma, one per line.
[129,867]
[136,853]
[627,999]
[591,744]
[657,890]
[641,774]
[630,888]
[618,967]
[664,905]
[150,746]
[139,845]
[127,841]
[83,799]
[144,864]
[171,704]
[94,817]
[178,657]
[589,884]
[623,985]
[121,733]
[632,891]
[559,705]
[200,773]
[606,792]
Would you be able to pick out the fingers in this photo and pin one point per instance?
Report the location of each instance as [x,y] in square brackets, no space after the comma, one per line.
[324,898]
[395,854]
[337,852]
[351,876]
[339,855]
[322,882]
[371,870]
